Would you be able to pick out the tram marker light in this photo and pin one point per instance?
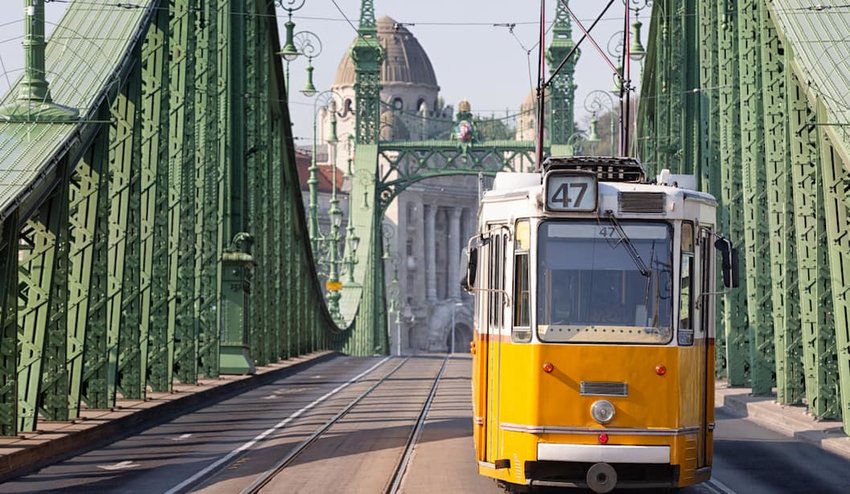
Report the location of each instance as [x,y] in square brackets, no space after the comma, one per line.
[548,367]
[603,438]
[660,369]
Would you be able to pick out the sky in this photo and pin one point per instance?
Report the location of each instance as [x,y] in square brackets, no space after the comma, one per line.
[473,59]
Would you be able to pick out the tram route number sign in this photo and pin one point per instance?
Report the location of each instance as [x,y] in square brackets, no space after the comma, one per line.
[570,192]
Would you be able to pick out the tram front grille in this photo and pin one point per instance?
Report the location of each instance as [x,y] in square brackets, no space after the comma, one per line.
[604,388]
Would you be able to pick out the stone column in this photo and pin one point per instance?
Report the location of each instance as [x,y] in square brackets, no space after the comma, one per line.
[454,253]
[430,253]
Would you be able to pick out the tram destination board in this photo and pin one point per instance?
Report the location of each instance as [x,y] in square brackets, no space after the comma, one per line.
[570,191]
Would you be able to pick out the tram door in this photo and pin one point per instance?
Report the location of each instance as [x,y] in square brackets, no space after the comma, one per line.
[705,318]
[495,322]
[691,321]
[482,350]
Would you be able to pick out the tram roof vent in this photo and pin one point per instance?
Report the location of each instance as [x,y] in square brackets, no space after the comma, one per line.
[642,202]
[607,168]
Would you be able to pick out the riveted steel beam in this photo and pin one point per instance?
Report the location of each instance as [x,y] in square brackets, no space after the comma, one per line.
[256,196]
[154,365]
[709,175]
[731,197]
[836,188]
[182,207]
[96,388]
[790,382]
[88,190]
[42,241]
[124,222]
[756,242]
[812,263]
[9,348]
[209,177]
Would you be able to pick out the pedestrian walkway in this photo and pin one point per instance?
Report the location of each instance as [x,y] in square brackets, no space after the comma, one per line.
[792,421]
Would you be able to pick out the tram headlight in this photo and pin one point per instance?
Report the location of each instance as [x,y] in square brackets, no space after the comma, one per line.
[602,411]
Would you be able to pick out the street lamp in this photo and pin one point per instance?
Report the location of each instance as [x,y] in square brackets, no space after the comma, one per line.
[454,308]
[574,142]
[313,180]
[309,45]
[636,50]
[290,51]
[594,103]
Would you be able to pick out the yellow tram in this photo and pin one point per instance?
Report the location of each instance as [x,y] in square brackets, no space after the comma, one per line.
[594,327]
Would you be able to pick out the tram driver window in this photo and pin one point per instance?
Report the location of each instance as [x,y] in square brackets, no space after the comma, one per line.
[686,291]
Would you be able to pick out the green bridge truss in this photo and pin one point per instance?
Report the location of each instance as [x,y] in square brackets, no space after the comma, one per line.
[133,236]
[751,97]
[152,225]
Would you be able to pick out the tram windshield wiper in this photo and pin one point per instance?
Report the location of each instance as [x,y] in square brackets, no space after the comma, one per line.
[627,244]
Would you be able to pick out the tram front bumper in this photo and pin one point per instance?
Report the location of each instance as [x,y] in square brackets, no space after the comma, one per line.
[598,453]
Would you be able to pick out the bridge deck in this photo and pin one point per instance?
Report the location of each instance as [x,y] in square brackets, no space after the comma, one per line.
[226,445]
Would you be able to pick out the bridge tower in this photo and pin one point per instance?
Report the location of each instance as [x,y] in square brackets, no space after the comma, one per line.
[562,91]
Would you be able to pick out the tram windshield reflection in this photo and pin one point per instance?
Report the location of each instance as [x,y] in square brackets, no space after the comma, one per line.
[591,289]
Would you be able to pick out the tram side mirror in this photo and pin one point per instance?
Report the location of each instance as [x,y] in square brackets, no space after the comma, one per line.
[729,262]
[468,281]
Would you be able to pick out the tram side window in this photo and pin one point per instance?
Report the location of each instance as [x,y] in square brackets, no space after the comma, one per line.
[521,330]
[496,281]
[686,288]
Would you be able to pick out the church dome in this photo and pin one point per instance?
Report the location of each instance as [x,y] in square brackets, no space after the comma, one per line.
[405,61]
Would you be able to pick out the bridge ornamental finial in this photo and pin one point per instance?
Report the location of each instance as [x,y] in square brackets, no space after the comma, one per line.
[562,91]
[33,102]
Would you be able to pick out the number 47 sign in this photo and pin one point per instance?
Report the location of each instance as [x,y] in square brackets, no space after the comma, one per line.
[570,192]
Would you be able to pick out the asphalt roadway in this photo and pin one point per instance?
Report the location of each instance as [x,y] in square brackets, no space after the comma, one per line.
[234,440]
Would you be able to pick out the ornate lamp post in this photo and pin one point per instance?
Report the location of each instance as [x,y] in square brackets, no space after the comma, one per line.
[594,103]
[289,51]
[313,181]
[335,213]
[636,50]
[308,44]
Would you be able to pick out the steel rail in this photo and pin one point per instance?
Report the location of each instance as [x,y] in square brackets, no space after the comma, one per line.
[270,473]
[401,469]
[202,477]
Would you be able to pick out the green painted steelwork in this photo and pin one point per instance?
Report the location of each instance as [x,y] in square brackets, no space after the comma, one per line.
[812,266]
[95,386]
[157,82]
[772,123]
[9,349]
[731,196]
[118,285]
[183,166]
[757,256]
[123,255]
[562,90]
[788,350]
[39,246]
[836,185]
[708,170]
[368,57]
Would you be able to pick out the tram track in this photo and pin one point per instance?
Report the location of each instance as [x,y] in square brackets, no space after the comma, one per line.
[202,477]
[394,477]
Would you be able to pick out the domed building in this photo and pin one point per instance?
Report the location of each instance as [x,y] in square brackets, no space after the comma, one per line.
[409,90]
[428,225]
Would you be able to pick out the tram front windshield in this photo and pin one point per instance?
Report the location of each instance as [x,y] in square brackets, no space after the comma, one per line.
[597,283]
